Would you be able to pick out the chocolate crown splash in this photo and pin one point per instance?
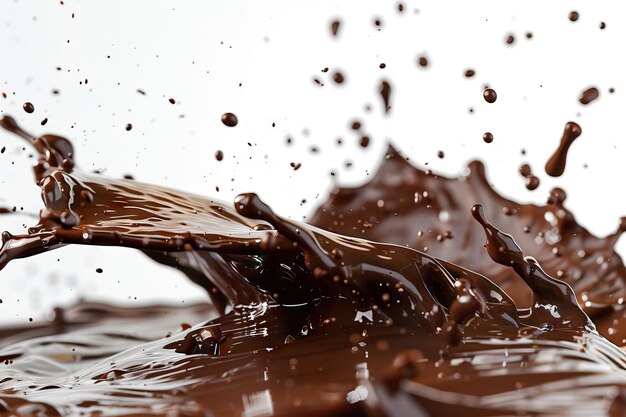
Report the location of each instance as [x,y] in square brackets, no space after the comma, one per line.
[307,321]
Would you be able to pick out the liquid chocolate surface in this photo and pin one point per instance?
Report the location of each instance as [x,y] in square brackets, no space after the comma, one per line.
[404,297]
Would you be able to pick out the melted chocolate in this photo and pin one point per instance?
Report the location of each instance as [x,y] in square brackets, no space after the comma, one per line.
[306,321]
[556,164]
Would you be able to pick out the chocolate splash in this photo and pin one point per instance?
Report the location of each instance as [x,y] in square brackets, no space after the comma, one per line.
[303,320]
[556,164]
[431,213]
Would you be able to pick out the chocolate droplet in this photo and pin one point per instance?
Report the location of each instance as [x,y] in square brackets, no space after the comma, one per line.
[490,95]
[556,164]
[229,119]
[589,95]
[28,107]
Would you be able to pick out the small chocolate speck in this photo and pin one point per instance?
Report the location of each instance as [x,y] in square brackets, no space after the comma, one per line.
[356,125]
[219,155]
[488,137]
[44,121]
[529,35]
[573,15]
[440,154]
[602,25]
[338,77]
[229,119]
[129,127]
[28,107]
[469,73]
[364,141]
[422,61]
[611,90]
[382,65]
[510,39]
[172,101]
[99,270]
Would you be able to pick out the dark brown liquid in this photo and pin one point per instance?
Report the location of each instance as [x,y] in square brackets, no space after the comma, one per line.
[304,321]
[556,164]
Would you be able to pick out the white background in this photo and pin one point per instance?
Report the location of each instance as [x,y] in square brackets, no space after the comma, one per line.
[198,52]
